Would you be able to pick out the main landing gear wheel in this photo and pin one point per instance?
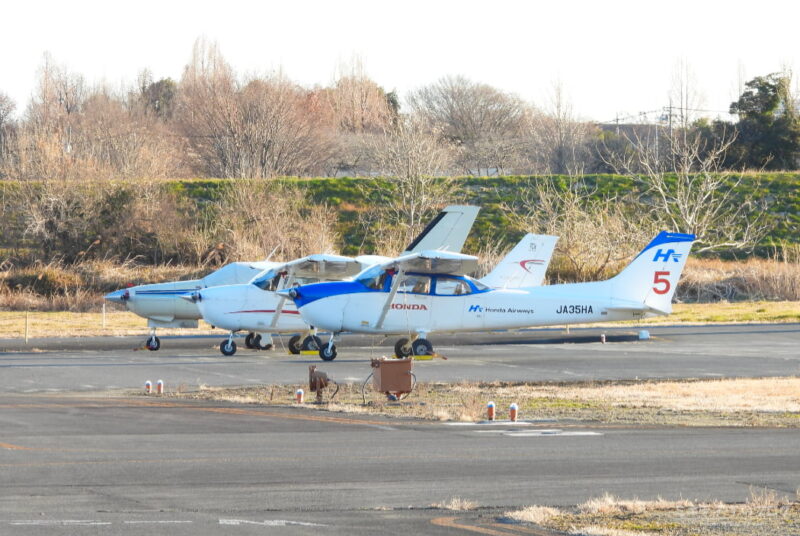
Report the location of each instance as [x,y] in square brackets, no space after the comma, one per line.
[227,347]
[258,346]
[312,342]
[153,343]
[401,349]
[328,353]
[294,345]
[248,341]
[422,347]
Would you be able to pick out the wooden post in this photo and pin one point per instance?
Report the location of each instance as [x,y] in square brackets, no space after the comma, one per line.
[104,315]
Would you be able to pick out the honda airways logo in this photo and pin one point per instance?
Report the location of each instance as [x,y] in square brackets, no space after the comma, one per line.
[665,256]
[410,306]
[527,264]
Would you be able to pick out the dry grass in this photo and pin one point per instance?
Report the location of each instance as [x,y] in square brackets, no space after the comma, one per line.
[534,514]
[739,402]
[748,394]
[765,512]
[81,287]
[608,504]
[596,530]
[456,504]
[710,280]
[77,324]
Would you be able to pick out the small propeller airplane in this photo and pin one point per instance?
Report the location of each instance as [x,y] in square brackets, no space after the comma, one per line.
[427,292]
[162,306]
[258,308]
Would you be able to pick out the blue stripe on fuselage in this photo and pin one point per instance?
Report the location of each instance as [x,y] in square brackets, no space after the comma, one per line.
[316,291]
[164,292]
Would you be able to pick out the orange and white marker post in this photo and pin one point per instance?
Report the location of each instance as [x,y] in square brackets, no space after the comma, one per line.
[513,409]
[148,387]
[160,387]
[490,411]
[298,396]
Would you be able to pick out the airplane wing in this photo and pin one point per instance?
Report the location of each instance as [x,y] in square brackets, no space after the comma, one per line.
[323,266]
[433,262]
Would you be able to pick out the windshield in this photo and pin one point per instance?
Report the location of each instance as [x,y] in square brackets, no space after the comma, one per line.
[372,278]
[268,281]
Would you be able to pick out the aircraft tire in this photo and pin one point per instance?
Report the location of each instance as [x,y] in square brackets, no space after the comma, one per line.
[312,342]
[227,347]
[399,351]
[328,354]
[422,347]
[248,341]
[153,343]
[256,344]
[294,345]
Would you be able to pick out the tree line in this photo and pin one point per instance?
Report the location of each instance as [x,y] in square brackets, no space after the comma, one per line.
[214,122]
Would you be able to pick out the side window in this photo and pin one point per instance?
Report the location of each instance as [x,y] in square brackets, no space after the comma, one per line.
[446,286]
[415,284]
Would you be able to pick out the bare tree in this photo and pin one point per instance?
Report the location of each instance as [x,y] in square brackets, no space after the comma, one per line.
[485,122]
[596,235]
[559,143]
[7,107]
[686,188]
[684,98]
[358,103]
[415,162]
[263,128]
[255,218]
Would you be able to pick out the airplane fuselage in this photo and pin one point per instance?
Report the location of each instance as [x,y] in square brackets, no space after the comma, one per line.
[481,310]
[249,308]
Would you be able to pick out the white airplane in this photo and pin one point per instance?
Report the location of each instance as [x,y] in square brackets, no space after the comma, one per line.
[255,307]
[162,306]
[425,292]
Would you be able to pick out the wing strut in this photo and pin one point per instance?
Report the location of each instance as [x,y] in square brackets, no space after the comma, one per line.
[279,307]
[392,292]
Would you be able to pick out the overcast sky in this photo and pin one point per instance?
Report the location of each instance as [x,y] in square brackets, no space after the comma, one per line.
[610,56]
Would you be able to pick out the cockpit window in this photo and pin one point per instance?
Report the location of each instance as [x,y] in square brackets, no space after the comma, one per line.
[268,281]
[448,286]
[415,284]
[480,287]
[373,278]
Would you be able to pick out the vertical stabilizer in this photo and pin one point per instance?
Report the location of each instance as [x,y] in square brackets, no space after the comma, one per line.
[447,231]
[525,265]
[651,278]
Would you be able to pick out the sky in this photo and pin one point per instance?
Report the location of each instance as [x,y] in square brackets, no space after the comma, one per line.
[611,58]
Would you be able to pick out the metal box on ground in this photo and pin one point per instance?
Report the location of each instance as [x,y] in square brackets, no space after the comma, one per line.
[392,375]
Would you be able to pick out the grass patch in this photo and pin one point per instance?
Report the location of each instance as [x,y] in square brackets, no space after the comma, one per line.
[773,402]
[763,513]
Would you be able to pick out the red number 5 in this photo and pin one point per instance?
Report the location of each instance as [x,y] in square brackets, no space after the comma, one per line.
[659,279]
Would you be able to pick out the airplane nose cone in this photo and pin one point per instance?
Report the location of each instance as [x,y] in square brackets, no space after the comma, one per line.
[118,296]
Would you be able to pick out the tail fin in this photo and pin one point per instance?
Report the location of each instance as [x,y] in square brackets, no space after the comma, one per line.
[447,231]
[651,278]
[525,265]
